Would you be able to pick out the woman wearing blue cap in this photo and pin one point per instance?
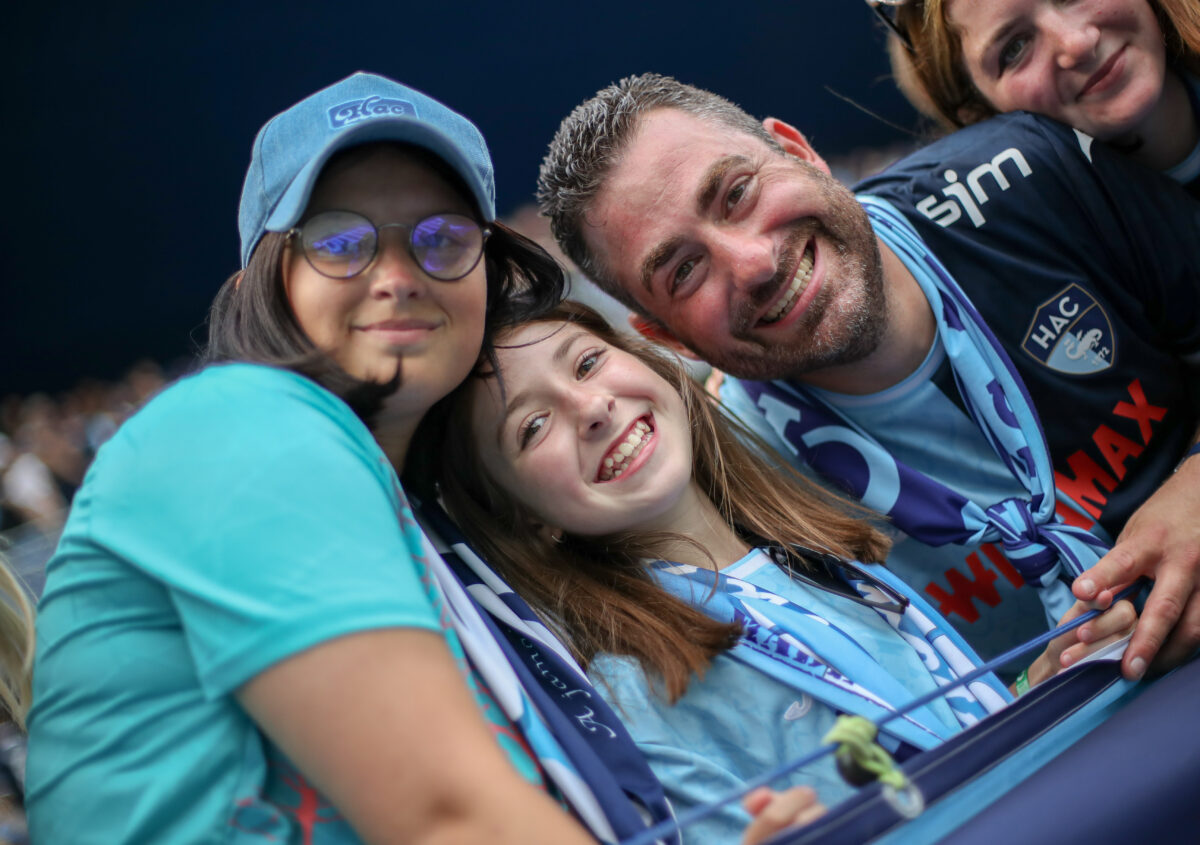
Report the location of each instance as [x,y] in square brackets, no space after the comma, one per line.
[241,637]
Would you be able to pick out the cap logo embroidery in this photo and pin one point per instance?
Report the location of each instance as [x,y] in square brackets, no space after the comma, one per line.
[1071,333]
[344,114]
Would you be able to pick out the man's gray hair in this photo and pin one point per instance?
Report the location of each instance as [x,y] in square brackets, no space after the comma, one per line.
[590,142]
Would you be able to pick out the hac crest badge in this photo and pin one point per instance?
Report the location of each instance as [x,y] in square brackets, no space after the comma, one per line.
[1071,333]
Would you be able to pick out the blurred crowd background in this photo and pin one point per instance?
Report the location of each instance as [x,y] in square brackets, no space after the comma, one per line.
[47,440]
[130,128]
[46,443]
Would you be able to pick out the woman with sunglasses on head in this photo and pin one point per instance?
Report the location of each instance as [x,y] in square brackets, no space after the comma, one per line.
[713,597]
[240,638]
[1126,72]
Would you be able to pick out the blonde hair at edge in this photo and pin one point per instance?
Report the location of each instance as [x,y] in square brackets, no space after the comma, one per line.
[16,646]
[596,591]
[933,78]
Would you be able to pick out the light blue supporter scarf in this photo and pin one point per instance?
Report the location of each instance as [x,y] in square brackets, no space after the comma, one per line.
[1045,551]
[579,742]
[808,652]
[490,662]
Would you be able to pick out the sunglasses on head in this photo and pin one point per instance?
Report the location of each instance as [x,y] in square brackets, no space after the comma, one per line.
[885,10]
[833,574]
[342,244]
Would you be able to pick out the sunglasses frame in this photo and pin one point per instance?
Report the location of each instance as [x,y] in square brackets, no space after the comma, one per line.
[877,8]
[485,233]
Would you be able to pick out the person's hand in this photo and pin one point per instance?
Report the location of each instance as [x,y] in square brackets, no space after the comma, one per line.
[1068,649]
[775,811]
[1162,541]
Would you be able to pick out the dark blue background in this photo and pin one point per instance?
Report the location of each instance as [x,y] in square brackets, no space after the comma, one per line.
[127,130]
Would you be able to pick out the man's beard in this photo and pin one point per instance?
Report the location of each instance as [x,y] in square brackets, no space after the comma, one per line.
[846,320]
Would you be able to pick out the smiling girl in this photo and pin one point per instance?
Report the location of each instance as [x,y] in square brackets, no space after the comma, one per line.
[711,595]
[241,639]
[1122,71]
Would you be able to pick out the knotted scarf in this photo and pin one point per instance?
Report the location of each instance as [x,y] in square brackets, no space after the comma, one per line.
[1044,550]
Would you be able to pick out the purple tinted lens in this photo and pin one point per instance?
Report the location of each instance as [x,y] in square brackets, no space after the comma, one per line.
[447,245]
[339,243]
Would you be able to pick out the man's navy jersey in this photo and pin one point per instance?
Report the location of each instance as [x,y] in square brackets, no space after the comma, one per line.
[1187,172]
[1086,266]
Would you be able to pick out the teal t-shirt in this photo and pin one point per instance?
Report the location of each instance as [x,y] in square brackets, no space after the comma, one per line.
[242,516]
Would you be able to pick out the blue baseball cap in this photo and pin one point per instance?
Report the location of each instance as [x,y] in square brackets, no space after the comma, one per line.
[292,148]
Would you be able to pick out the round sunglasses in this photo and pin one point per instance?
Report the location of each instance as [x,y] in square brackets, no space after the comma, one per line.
[342,244]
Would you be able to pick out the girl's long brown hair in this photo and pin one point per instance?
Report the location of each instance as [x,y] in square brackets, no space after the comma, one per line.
[597,591]
[16,647]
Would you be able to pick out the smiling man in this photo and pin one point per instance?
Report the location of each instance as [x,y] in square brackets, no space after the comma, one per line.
[904,342]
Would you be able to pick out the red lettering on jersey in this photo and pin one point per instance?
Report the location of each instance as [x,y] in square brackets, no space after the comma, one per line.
[1115,448]
[1082,488]
[965,590]
[263,817]
[307,812]
[1141,411]
[255,815]
[1001,563]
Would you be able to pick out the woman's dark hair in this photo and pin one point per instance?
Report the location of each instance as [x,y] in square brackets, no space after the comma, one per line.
[596,591]
[251,320]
